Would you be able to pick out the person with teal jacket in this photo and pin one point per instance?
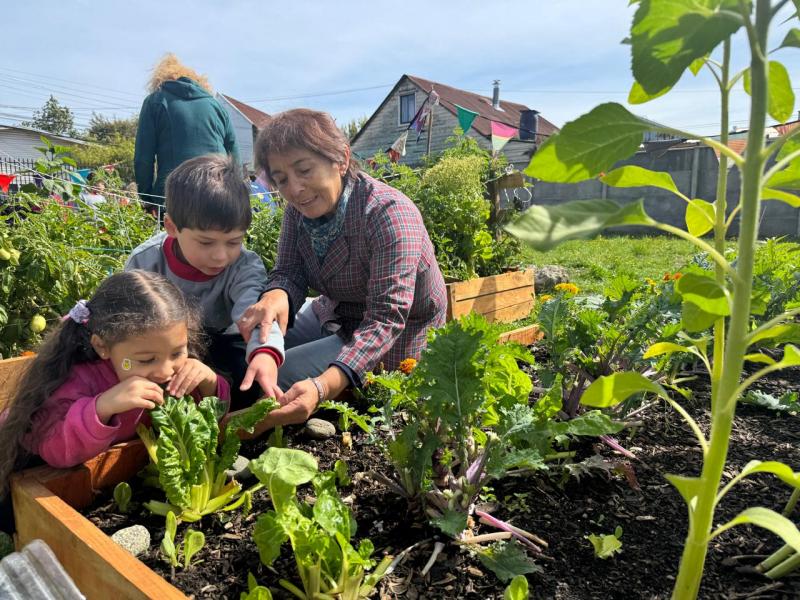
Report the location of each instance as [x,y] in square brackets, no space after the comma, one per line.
[179,120]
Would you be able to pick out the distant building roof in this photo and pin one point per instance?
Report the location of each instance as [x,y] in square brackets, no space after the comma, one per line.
[47,134]
[255,116]
[509,115]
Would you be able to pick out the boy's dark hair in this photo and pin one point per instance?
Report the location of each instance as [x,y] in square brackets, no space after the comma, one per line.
[125,305]
[208,192]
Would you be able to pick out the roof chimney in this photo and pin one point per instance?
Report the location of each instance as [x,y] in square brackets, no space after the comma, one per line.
[496,95]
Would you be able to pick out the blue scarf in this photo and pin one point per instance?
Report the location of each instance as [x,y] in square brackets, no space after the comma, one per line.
[324,230]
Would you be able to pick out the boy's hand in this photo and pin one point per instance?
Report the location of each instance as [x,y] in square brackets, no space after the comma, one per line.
[134,392]
[273,306]
[264,370]
[193,374]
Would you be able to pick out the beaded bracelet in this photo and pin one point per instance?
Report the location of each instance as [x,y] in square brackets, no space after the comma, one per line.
[320,387]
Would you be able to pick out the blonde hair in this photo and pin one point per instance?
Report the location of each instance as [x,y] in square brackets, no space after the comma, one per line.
[170,68]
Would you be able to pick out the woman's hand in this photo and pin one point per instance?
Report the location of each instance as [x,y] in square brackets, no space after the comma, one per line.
[134,392]
[193,374]
[273,306]
[296,408]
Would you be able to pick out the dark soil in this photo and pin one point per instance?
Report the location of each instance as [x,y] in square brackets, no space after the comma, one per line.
[633,495]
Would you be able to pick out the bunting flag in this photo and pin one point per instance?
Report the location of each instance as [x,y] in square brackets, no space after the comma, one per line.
[5,181]
[80,176]
[465,117]
[501,133]
[398,149]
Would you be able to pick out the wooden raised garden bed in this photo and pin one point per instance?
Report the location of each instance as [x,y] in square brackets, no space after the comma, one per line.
[45,503]
[11,370]
[500,298]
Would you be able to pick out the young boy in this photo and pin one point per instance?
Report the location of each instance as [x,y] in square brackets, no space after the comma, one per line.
[208,213]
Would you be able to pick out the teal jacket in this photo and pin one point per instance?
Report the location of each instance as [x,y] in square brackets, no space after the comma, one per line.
[177,122]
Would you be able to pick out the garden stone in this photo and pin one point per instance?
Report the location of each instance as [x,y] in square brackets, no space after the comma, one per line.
[319,429]
[546,277]
[135,539]
[240,469]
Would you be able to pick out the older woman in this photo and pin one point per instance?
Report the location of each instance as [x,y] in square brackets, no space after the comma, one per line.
[362,245]
[179,120]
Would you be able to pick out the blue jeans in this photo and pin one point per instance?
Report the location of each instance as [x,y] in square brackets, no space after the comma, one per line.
[310,348]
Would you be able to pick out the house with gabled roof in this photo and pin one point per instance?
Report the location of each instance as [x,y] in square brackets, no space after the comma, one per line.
[398,109]
[246,121]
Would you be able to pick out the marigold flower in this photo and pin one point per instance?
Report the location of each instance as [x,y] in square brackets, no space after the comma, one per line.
[677,276]
[567,288]
[545,297]
[407,365]
[667,276]
[650,282]
[28,353]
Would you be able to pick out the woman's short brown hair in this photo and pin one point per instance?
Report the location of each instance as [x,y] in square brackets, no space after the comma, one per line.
[307,129]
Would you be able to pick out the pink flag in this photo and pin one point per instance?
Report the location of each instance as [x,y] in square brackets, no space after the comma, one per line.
[501,133]
[5,181]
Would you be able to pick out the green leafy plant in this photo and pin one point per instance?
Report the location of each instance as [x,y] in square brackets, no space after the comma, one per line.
[347,415]
[667,38]
[122,496]
[255,591]
[264,231]
[193,542]
[184,447]
[168,541]
[606,545]
[517,589]
[320,535]
[467,422]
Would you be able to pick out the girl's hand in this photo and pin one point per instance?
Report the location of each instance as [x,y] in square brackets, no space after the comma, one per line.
[193,374]
[273,306]
[134,392]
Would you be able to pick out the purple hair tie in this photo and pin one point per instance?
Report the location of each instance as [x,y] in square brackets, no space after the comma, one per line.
[79,313]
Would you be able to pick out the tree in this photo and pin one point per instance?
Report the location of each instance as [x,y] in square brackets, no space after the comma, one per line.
[54,118]
[107,131]
[354,126]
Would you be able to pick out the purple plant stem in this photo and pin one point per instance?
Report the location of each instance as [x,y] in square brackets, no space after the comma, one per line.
[494,522]
[615,445]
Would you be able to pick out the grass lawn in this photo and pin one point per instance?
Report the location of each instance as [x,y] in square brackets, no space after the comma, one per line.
[592,263]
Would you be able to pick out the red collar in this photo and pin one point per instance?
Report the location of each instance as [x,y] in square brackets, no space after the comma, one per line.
[180,268]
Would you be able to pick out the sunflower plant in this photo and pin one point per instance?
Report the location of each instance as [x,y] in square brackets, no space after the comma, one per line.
[667,38]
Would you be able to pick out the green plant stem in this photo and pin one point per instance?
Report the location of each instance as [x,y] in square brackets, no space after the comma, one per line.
[687,584]
[776,558]
[720,226]
[786,567]
[792,503]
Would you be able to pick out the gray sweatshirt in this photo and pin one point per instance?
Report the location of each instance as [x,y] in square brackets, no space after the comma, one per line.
[223,298]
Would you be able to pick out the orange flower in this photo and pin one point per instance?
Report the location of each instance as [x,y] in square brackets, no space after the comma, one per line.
[28,353]
[677,276]
[408,365]
[667,276]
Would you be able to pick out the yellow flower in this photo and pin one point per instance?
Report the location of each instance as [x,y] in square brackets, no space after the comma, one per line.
[650,282]
[407,365]
[567,288]
[545,297]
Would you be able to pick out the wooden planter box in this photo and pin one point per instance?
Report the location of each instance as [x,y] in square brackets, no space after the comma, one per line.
[45,503]
[500,298]
[11,370]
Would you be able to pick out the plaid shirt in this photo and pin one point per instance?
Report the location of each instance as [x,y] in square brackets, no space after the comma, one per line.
[379,280]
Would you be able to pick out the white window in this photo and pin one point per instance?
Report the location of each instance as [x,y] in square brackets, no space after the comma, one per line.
[408,108]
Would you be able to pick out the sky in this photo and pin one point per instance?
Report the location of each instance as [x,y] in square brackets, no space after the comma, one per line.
[560,57]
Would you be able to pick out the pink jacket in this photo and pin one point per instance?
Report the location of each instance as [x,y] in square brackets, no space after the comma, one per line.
[66,431]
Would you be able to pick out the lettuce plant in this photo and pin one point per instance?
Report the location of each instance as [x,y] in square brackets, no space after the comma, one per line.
[667,38]
[184,447]
[320,535]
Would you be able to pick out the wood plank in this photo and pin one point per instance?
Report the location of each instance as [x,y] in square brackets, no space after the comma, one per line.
[100,568]
[11,370]
[492,303]
[509,314]
[491,285]
[523,335]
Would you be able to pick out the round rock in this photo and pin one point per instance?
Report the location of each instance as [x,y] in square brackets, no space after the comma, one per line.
[546,277]
[319,429]
[135,539]
[240,469]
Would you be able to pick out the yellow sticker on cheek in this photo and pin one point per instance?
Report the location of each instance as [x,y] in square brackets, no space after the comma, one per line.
[126,364]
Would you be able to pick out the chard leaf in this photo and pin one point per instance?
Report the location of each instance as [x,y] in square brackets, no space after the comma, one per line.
[193,542]
[333,515]
[593,423]
[183,438]
[293,467]
[667,36]
[507,560]
[452,522]
[544,227]
[605,546]
[269,535]
[589,145]
[246,421]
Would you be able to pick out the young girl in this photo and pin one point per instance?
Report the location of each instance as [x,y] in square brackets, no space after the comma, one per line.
[111,359]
